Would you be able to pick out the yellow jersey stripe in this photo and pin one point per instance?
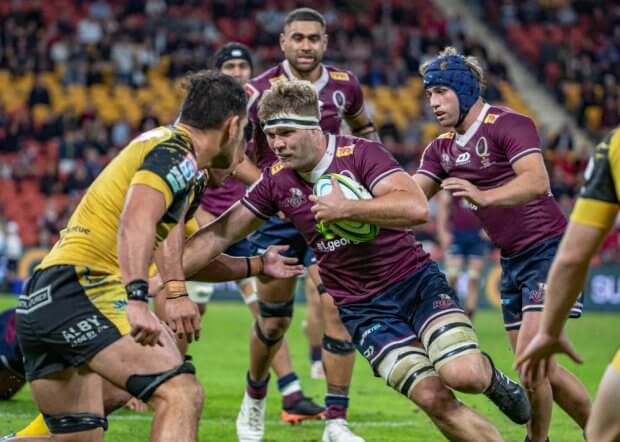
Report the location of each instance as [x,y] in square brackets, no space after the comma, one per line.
[595,213]
[154,181]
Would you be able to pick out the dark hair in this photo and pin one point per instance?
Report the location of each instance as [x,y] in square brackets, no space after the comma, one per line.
[211,98]
[305,14]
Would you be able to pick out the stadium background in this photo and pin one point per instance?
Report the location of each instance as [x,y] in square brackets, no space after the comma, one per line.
[78,79]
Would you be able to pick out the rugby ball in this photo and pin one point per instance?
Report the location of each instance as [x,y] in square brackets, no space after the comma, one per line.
[352,230]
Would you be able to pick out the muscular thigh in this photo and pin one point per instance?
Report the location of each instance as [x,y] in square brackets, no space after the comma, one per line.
[74,390]
[450,339]
[126,357]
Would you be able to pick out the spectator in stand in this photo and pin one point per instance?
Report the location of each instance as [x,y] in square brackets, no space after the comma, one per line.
[48,181]
[39,93]
[92,162]
[78,181]
[71,149]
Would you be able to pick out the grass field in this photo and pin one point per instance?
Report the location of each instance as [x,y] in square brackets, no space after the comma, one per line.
[376,412]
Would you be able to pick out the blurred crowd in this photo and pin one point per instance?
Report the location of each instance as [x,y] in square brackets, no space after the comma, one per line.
[78,79]
[574,46]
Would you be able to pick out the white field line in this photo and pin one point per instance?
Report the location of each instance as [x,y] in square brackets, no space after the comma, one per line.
[148,418]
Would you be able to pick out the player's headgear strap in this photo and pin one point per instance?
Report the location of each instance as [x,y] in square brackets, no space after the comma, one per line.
[291,120]
[451,71]
[232,51]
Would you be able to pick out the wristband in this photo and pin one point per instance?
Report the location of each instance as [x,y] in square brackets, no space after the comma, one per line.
[248,267]
[256,266]
[175,289]
[137,290]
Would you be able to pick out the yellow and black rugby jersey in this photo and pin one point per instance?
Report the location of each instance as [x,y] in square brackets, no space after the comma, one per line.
[598,203]
[161,158]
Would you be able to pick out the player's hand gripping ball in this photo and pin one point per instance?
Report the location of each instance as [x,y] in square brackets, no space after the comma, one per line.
[354,231]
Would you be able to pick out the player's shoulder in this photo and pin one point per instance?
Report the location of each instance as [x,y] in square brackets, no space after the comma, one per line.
[267,79]
[609,148]
[503,115]
[155,136]
[442,139]
[340,75]
[348,146]
[257,85]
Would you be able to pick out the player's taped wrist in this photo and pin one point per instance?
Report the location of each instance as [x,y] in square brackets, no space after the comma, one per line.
[255,266]
[175,289]
[137,290]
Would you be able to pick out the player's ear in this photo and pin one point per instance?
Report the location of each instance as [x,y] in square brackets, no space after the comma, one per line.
[282,40]
[232,126]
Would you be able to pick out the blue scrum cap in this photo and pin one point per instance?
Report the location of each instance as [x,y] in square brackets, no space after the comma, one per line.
[451,71]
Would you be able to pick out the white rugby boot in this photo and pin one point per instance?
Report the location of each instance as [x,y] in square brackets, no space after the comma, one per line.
[251,419]
[337,430]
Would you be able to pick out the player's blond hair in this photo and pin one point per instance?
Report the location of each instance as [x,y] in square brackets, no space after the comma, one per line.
[473,63]
[290,97]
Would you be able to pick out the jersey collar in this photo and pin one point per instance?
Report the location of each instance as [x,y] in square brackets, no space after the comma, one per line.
[313,175]
[463,139]
[318,85]
[184,134]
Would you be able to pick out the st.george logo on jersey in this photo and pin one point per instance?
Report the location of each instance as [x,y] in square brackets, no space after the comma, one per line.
[354,231]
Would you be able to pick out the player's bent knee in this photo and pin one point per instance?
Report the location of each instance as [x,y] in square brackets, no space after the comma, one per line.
[142,386]
[338,346]
[466,374]
[114,398]
[449,340]
[435,399]
[183,392]
[269,336]
[404,368]
[75,423]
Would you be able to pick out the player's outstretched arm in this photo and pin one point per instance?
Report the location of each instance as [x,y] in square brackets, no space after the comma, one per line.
[212,239]
[398,202]
[144,207]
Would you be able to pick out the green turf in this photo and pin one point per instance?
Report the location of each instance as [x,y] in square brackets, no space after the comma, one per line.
[376,412]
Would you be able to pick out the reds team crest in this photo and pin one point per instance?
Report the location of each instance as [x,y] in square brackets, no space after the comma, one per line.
[296,199]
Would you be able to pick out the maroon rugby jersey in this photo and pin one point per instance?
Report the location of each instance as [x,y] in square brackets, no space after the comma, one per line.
[484,156]
[217,200]
[462,215]
[351,272]
[340,96]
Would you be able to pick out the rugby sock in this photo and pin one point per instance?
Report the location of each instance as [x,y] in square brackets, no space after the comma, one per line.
[315,353]
[290,388]
[336,406]
[35,428]
[257,389]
